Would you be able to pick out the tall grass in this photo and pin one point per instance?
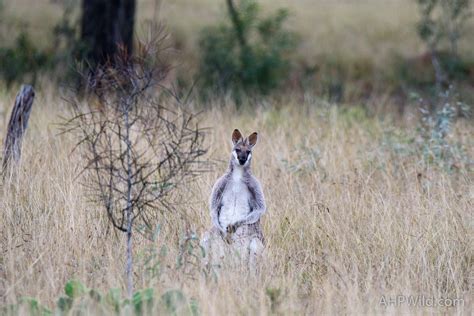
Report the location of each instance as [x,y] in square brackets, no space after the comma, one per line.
[348,220]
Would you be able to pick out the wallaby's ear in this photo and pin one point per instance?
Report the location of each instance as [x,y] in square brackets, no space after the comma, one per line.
[253,139]
[236,136]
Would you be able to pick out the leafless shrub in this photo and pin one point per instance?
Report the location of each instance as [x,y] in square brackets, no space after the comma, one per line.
[139,143]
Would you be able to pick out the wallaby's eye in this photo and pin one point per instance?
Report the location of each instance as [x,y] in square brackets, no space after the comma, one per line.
[248,152]
[237,150]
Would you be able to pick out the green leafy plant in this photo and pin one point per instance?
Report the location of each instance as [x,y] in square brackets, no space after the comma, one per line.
[432,144]
[190,256]
[33,307]
[80,300]
[275,295]
[435,128]
[249,53]
[152,257]
[75,289]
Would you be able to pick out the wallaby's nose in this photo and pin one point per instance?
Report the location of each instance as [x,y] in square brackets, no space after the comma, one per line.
[242,160]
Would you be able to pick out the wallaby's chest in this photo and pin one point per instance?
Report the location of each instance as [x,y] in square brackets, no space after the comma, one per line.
[235,201]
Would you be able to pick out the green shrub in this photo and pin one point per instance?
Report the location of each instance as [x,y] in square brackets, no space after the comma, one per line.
[248,53]
[21,62]
[433,144]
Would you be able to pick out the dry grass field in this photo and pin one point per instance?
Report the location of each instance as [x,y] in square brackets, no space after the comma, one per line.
[349,219]
[358,217]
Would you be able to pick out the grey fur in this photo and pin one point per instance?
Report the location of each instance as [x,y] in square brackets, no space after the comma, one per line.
[256,202]
[241,241]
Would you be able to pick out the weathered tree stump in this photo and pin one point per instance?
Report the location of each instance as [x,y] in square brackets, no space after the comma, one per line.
[17,125]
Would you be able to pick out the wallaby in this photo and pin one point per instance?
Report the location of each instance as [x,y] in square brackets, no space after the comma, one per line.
[236,205]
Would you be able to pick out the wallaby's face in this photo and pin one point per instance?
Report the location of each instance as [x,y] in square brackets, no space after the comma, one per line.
[242,151]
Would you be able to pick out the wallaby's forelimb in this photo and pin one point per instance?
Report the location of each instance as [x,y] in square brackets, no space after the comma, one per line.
[216,203]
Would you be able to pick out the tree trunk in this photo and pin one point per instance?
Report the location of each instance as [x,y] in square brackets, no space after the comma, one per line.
[129,264]
[237,23]
[245,50]
[106,24]
[17,125]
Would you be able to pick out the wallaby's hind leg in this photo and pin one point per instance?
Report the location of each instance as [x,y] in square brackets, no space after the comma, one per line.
[248,243]
[243,248]
[255,251]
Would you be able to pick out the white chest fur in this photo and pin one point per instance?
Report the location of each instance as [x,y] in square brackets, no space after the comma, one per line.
[235,200]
